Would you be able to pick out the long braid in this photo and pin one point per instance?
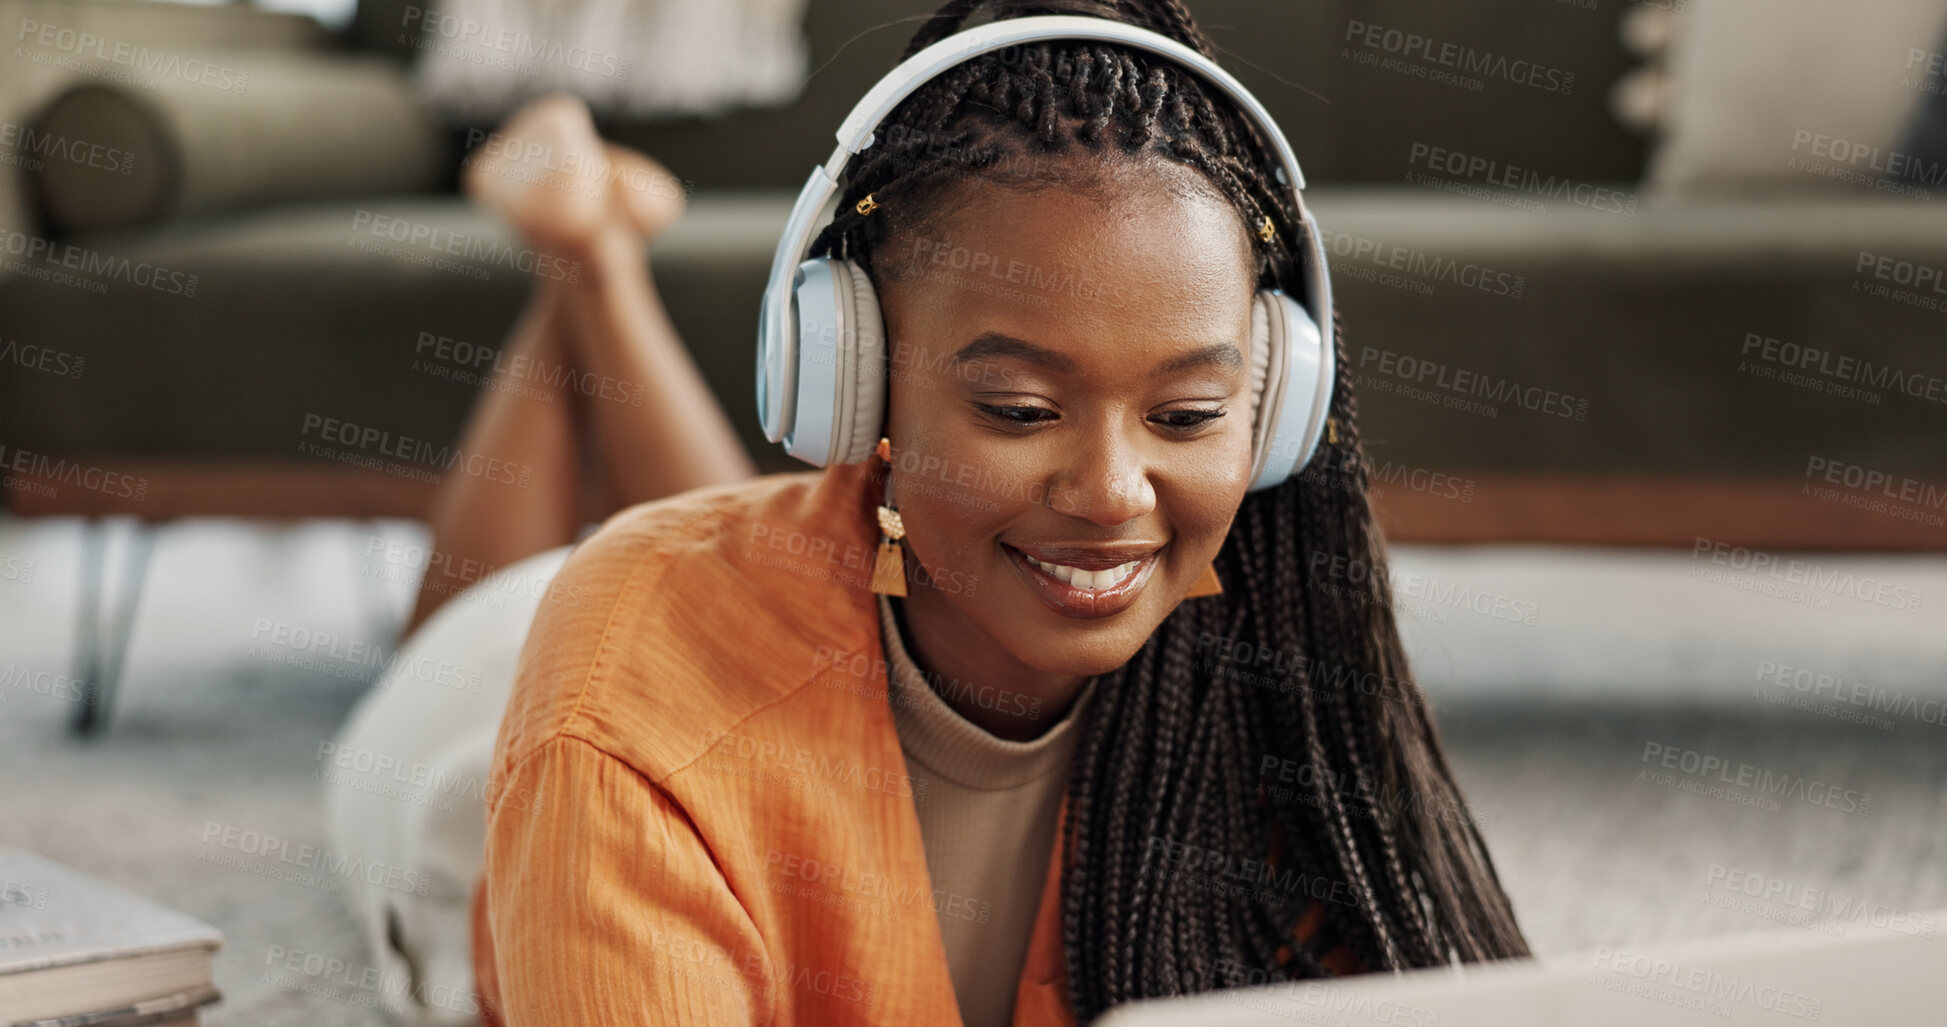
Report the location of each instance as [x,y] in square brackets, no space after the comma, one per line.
[1124,883]
[1188,822]
[1346,622]
[1169,717]
[1186,867]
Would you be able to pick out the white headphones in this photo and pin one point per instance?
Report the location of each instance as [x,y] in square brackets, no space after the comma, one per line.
[821,346]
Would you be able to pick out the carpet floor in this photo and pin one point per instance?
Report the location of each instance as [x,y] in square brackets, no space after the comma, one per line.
[1557,730]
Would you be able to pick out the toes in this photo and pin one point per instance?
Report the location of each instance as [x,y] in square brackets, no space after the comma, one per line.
[544,170]
[550,174]
[649,196]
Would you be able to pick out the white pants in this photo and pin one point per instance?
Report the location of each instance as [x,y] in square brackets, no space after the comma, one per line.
[404,790]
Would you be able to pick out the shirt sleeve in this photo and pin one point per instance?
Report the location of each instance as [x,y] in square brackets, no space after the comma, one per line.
[605,905]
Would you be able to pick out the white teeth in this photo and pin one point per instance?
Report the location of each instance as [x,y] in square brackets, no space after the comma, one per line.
[1093,581]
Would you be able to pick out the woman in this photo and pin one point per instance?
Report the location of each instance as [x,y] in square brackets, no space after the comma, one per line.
[732,784]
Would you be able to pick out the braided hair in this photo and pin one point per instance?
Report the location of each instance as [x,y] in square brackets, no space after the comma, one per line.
[1265,758]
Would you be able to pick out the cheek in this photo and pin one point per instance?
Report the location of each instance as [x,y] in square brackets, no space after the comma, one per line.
[1205,495]
[946,537]
[947,486]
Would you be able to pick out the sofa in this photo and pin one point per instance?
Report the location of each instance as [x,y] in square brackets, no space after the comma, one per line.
[1546,348]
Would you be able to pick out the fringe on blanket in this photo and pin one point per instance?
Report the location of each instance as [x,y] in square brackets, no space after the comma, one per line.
[480,59]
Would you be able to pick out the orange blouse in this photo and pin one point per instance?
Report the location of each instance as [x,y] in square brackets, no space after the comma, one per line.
[698,810]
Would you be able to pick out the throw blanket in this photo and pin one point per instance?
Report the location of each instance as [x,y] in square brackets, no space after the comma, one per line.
[482,58]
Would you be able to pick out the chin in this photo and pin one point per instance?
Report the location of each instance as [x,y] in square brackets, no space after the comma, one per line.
[1080,657]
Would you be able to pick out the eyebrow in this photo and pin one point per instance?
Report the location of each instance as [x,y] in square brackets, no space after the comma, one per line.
[1219,354]
[998,344]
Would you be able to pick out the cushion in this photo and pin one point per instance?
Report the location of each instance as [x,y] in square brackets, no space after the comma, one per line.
[37,67]
[1794,94]
[1926,137]
[253,131]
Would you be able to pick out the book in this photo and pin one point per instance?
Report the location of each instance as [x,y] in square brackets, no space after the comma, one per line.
[76,951]
[178,1010]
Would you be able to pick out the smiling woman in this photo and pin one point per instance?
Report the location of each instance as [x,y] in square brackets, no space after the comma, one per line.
[1120,711]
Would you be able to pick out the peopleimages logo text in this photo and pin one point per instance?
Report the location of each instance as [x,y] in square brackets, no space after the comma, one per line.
[1803,574]
[1427,50]
[1699,764]
[1850,369]
[195,70]
[1434,374]
[1515,178]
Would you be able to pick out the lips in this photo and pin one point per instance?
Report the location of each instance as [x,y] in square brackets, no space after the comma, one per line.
[1086,581]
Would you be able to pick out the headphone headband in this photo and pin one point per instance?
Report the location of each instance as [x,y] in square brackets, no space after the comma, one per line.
[855,134]
[778,341]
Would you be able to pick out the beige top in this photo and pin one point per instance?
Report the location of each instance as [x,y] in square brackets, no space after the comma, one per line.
[987,822]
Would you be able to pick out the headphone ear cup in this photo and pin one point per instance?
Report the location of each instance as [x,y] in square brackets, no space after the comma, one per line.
[1261,342]
[839,403]
[855,434]
[1289,415]
[1267,337]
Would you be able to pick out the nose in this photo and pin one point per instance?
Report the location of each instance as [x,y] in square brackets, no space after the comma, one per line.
[1108,482]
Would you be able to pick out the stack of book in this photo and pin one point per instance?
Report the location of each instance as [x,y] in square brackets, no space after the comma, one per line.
[76,951]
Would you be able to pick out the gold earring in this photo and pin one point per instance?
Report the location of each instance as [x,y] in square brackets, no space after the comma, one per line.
[1208,585]
[889,570]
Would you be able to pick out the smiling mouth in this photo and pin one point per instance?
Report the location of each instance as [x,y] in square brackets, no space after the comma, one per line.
[1085,592]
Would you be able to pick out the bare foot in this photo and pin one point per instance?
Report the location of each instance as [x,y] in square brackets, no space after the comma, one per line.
[541,171]
[553,178]
[644,193]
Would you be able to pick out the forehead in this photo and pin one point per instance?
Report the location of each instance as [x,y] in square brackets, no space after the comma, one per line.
[1144,263]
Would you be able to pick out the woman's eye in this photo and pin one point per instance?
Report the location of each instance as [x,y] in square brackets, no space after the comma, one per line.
[1185,421]
[1018,414]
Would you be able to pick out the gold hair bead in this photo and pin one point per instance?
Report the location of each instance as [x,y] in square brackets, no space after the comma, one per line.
[867,206]
[1332,430]
[1266,230]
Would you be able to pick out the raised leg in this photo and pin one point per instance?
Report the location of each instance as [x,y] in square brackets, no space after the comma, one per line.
[481,523]
[633,420]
